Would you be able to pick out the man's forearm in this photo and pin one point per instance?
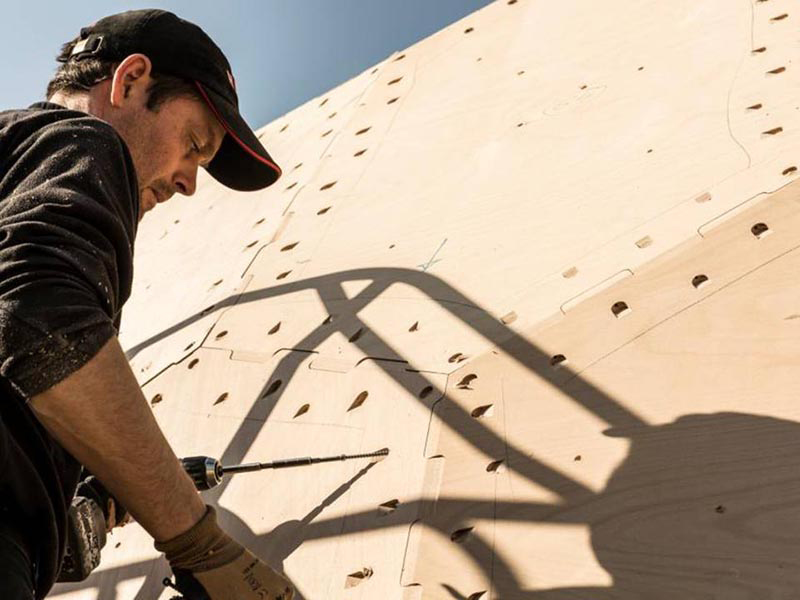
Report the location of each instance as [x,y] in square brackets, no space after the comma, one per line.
[101,417]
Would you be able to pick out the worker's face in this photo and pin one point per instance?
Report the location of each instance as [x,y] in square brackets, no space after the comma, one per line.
[167,144]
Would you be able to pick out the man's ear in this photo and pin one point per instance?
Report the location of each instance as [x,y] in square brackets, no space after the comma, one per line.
[131,79]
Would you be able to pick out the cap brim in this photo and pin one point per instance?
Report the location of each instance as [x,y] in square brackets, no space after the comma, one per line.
[242,163]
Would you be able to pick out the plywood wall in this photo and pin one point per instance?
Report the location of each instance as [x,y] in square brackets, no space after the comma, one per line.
[547,256]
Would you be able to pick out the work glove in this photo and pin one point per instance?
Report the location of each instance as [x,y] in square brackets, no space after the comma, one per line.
[209,565]
[115,513]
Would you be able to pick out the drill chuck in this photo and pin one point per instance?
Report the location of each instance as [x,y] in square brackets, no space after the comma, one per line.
[206,472]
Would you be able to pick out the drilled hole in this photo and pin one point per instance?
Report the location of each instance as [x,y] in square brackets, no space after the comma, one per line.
[189,347]
[789,171]
[469,30]
[760,230]
[720,509]
[156,399]
[464,383]
[512,2]
[640,69]
[193,363]
[322,211]
[393,100]
[426,391]
[388,507]
[760,50]
[460,535]
[487,410]
[414,327]
[323,103]
[401,57]
[776,71]
[289,247]
[360,152]
[275,329]
[302,410]
[520,72]
[620,309]
[481,594]
[558,360]
[332,115]
[273,387]
[495,466]
[329,319]
[289,187]
[284,128]
[699,281]
[283,275]
[250,245]
[216,283]
[455,357]
[360,399]
[779,17]
[758,106]
[297,166]
[644,242]
[327,133]
[221,334]
[327,186]
[773,131]
[356,336]
[363,131]
[221,399]
[393,81]
[354,579]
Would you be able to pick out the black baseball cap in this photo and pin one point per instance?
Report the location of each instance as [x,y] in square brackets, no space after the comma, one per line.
[180,48]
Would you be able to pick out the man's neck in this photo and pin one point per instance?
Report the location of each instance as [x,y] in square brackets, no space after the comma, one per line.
[79,102]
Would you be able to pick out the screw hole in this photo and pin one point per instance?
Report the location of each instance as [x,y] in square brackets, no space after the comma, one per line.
[354,579]
[393,81]
[620,309]
[776,71]
[193,363]
[755,106]
[644,242]
[570,273]
[322,211]
[323,103]
[773,131]
[221,399]
[558,361]
[156,399]
[426,391]
[283,275]
[356,336]
[363,131]
[508,318]
[789,171]
[760,230]
[460,535]
[360,399]
[273,387]
[327,186]
[393,100]
[388,507]
[221,334]
[360,152]
[487,410]
[302,410]
[414,327]
[699,281]
[289,247]
[779,17]
[464,383]
[469,30]
[275,329]
[496,466]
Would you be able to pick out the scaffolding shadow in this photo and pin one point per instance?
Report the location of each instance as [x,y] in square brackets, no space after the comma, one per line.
[680,503]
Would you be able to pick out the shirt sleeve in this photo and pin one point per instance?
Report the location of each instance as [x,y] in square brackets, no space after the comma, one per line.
[68,213]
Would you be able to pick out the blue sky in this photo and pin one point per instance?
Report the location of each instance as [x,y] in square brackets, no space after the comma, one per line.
[283,52]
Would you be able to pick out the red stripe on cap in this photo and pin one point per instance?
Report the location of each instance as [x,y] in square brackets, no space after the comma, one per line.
[231,133]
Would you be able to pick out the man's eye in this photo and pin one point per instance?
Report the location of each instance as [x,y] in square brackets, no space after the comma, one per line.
[195,147]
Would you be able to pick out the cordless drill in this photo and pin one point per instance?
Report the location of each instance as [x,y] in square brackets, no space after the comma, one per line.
[91,507]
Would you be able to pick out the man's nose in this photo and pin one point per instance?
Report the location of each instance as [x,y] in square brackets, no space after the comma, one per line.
[186,181]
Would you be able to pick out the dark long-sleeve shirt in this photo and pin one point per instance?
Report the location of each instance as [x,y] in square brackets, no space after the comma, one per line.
[69,208]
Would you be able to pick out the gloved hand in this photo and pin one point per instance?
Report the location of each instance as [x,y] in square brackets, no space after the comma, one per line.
[209,565]
[115,513]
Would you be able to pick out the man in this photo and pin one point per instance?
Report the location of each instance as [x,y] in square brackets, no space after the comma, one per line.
[141,100]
